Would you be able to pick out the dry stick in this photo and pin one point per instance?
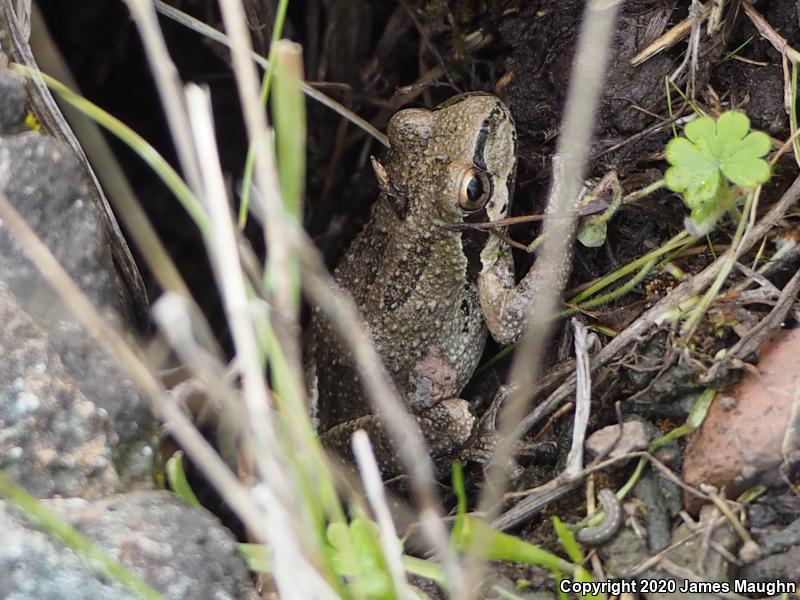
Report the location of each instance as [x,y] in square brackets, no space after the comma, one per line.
[696,14]
[217,472]
[768,33]
[185,332]
[608,462]
[583,399]
[753,338]
[654,560]
[574,471]
[223,253]
[279,253]
[582,99]
[642,325]
[668,39]
[781,44]
[289,534]
[541,496]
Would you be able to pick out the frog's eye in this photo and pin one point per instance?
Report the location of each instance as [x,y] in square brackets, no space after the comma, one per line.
[475,190]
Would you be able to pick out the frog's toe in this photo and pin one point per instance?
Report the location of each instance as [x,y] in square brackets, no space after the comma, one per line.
[481,448]
[447,426]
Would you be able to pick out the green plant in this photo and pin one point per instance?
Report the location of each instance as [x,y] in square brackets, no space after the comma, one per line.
[713,157]
[357,556]
[176,475]
[475,536]
[718,163]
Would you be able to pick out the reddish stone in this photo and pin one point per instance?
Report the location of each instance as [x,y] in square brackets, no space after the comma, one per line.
[741,441]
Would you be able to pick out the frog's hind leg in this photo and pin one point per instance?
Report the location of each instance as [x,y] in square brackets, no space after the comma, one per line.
[486,438]
[446,426]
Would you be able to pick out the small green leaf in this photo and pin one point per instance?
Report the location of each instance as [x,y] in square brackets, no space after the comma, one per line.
[712,154]
[732,126]
[256,557]
[693,170]
[357,555]
[701,131]
[567,540]
[176,475]
[592,234]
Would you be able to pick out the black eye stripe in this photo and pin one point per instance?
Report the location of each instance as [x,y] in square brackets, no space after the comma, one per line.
[480,146]
[488,126]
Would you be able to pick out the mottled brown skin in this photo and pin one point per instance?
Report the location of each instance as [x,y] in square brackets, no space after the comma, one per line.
[423,288]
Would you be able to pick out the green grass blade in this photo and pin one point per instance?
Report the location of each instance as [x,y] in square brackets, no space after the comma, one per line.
[250,161]
[256,557]
[176,475]
[132,139]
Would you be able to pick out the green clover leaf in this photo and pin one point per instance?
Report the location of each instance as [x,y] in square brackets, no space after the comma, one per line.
[712,154]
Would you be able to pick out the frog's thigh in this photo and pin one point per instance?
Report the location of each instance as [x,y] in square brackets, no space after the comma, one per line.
[447,426]
[337,441]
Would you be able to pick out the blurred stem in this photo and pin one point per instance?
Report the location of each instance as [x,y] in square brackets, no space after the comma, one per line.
[288,108]
[133,140]
[266,80]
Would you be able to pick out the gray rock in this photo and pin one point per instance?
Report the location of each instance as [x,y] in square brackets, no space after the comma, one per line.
[784,566]
[42,180]
[12,100]
[53,440]
[610,443]
[181,552]
[662,502]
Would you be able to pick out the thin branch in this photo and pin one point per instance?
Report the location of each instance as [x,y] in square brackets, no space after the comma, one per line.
[169,86]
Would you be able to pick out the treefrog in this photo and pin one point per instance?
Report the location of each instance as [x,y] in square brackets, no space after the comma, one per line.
[429,293]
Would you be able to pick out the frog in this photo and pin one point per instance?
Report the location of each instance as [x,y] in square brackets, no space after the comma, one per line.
[430,287]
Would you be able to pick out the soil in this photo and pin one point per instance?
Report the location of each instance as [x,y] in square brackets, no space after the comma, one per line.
[385,55]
